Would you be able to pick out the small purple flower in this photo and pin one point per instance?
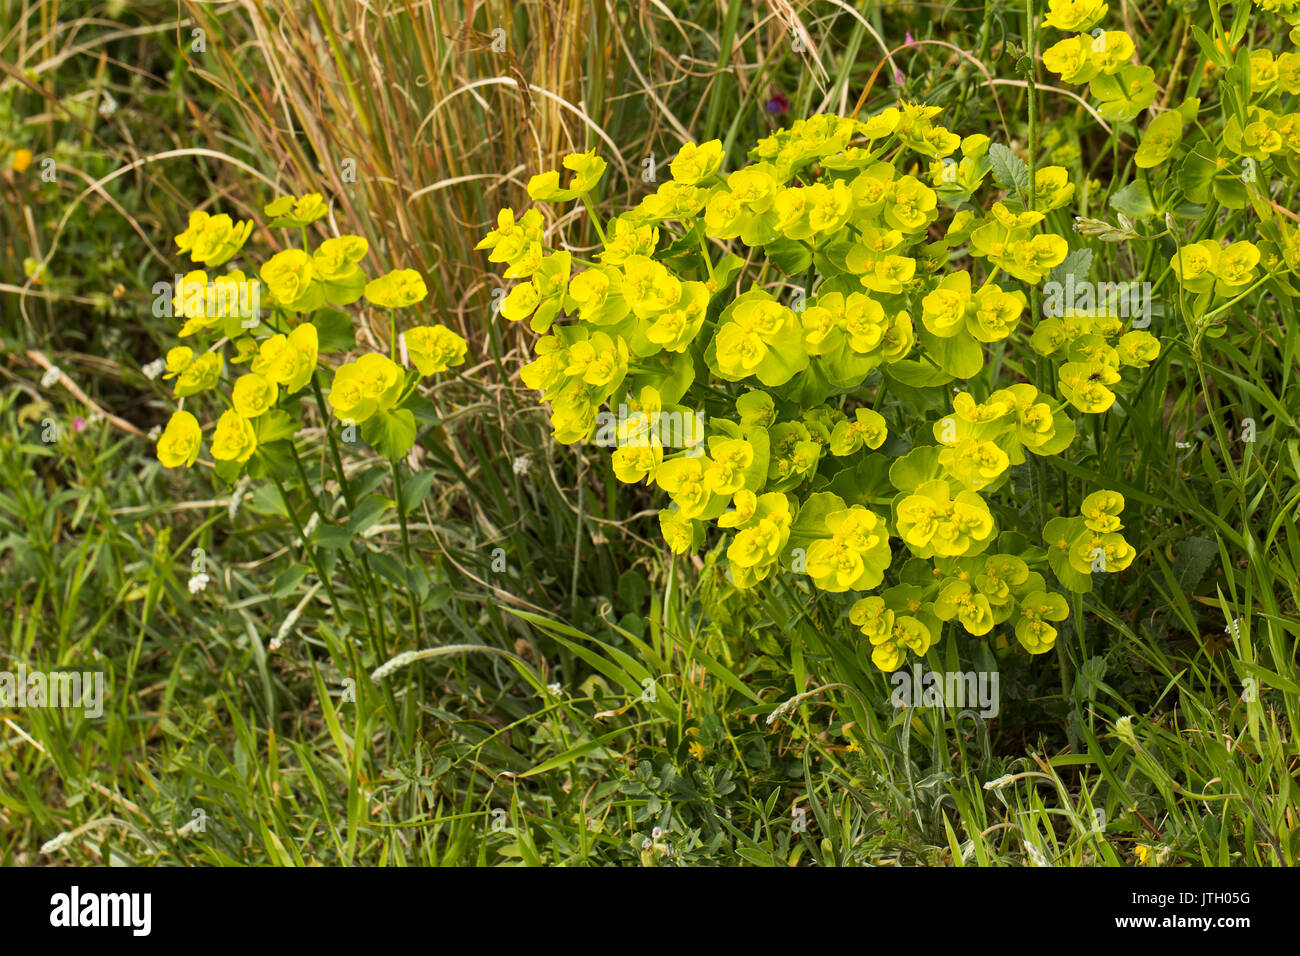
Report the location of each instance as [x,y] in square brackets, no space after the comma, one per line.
[908,40]
[779,103]
[78,424]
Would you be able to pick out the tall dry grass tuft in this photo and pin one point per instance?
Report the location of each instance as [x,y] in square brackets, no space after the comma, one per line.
[421,119]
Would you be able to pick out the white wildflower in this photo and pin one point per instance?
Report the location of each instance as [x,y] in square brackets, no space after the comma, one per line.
[51,377]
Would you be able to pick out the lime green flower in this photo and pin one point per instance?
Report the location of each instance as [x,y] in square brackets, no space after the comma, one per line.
[288,276]
[234,438]
[179,443]
[213,240]
[1100,511]
[1070,58]
[1235,268]
[1124,94]
[682,534]
[755,550]
[335,267]
[854,556]
[957,599]
[510,239]
[626,239]
[728,462]
[866,428]
[289,360]
[253,395]
[434,348]
[1074,16]
[1288,72]
[1052,190]
[199,375]
[1083,384]
[694,164]
[974,463]
[1094,551]
[587,169]
[933,522]
[1033,631]
[756,408]
[1196,264]
[397,289]
[291,212]
[684,480]
[370,384]
[177,360]
[1138,348]
[1111,51]
[943,310]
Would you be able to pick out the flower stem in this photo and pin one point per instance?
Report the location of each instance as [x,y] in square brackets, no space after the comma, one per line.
[406,552]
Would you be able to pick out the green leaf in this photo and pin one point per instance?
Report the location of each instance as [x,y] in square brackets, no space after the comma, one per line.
[389,568]
[334,330]
[1196,172]
[914,469]
[1133,201]
[1078,263]
[288,580]
[1163,134]
[417,489]
[1192,558]
[1009,170]
[272,458]
[1230,192]
[390,433]
[790,255]
[274,425]
[331,536]
[368,512]
[228,471]
[425,412]
[810,523]
[959,355]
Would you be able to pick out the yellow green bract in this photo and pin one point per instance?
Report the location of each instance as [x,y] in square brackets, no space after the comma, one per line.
[276,326]
[752,399]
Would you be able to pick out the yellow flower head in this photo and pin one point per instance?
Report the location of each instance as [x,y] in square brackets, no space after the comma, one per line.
[397,289]
[234,438]
[288,276]
[179,443]
[293,212]
[199,375]
[252,395]
[213,240]
[434,348]
[694,164]
[1074,16]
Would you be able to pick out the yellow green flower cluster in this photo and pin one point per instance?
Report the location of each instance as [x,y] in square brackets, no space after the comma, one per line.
[1100,58]
[1089,543]
[1206,266]
[751,408]
[1092,346]
[283,354]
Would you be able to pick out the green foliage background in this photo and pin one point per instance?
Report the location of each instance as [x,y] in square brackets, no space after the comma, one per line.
[761,707]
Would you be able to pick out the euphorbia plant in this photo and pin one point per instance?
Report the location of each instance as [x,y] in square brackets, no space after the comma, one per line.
[823,357]
[280,348]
